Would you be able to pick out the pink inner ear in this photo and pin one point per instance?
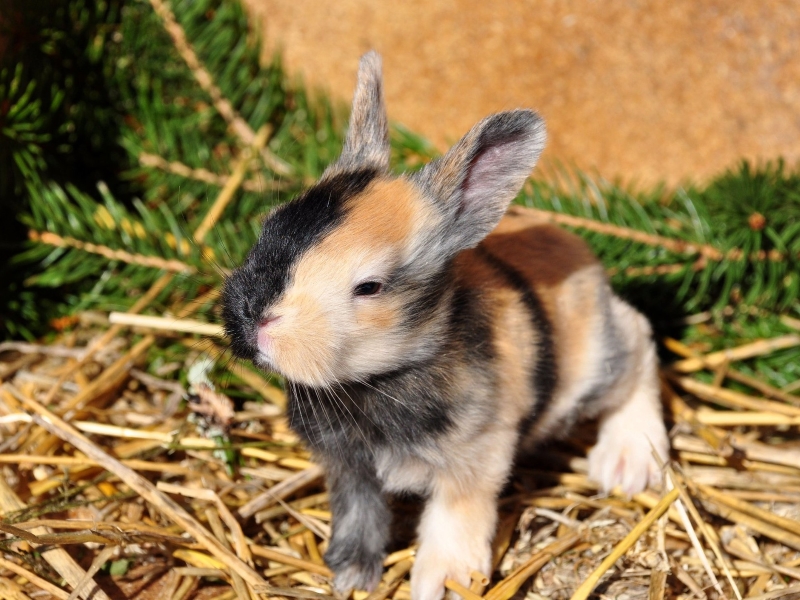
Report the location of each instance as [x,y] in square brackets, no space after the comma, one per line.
[490,173]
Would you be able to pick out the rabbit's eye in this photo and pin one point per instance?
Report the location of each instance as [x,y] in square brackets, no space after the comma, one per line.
[368,288]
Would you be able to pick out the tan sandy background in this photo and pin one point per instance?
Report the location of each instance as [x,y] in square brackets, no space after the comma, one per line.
[642,90]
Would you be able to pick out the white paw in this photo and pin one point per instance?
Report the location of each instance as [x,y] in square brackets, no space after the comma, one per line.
[435,562]
[623,455]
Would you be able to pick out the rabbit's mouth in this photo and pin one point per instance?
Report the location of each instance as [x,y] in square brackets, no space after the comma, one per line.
[295,357]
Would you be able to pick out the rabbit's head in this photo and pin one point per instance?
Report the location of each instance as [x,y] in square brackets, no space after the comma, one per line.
[349,280]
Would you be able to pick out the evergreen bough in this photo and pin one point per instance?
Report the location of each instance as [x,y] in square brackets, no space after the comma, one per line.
[210,139]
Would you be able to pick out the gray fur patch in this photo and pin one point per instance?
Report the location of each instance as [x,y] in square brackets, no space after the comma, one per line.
[361,521]
[614,362]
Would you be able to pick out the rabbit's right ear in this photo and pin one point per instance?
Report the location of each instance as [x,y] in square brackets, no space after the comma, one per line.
[367,142]
[473,184]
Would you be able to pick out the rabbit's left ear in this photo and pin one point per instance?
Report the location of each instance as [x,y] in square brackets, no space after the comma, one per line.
[473,184]
[366,145]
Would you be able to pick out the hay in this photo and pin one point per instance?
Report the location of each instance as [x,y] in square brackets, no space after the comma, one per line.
[113,487]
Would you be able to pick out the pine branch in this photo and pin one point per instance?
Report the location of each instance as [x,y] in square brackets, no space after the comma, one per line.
[112,220]
[154,262]
[674,245]
[623,233]
[204,175]
[238,125]
[657,269]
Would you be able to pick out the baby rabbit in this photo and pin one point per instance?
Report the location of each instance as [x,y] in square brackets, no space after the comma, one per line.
[424,336]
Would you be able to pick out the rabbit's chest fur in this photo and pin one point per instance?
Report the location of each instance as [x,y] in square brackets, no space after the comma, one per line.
[409,412]
[408,426]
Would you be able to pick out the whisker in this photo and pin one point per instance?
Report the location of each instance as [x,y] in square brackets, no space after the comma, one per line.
[316,417]
[352,416]
[380,391]
[299,404]
[328,393]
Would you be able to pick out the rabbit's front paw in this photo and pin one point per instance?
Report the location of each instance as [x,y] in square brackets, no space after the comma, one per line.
[357,577]
[354,570]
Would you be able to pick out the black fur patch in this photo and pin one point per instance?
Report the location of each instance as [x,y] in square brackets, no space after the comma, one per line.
[287,234]
[544,372]
[400,409]
[470,319]
[424,294]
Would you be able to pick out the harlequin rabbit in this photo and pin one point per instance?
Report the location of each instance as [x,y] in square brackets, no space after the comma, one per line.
[424,336]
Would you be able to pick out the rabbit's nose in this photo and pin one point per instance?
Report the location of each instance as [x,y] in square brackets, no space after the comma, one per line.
[264,337]
[268,320]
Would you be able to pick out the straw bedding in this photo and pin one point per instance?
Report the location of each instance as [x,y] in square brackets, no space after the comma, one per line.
[128,479]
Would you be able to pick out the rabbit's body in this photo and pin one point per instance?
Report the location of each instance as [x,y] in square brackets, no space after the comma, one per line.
[420,350]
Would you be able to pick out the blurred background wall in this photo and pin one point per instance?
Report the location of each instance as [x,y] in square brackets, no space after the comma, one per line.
[645,90]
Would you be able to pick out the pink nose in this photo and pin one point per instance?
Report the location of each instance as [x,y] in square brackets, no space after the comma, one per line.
[264,338]
[267,321]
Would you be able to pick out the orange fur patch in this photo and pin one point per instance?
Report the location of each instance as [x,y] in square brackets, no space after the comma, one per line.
[545,254]
[385,212]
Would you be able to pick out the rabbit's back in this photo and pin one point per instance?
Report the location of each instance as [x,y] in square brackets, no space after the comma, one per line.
[561,337]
